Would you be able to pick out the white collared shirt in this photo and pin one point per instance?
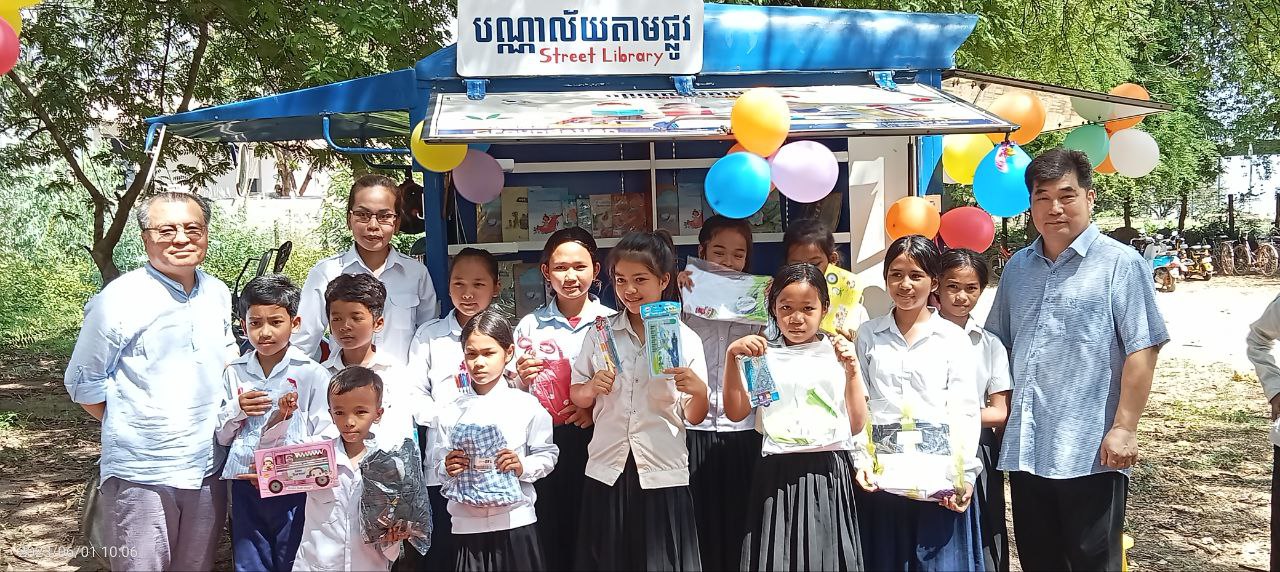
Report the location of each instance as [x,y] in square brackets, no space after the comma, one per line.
[547,326]
[435,358]
[994,375]
[295,372]
[401,406]
[642,417]
[716,336]
[526,428]
[411,301]
[333,531]
[933,378]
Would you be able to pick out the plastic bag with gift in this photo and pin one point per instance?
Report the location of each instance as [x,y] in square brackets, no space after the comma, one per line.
[719,293]
[481,483]
[914,450]
[395,495]
[810,412]
[551,384]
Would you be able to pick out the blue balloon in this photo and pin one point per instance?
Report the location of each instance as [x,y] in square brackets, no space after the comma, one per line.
[738,184]
[1002,192]
[481,147]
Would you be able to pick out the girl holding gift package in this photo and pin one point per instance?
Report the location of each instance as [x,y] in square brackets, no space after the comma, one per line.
[920,376]
[637,512]
[547,342]
[500,441]
[808,240]
[801,508]
[722,452]
[436,354]
[964,277]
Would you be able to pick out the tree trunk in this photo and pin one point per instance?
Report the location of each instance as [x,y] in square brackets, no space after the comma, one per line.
[306,180]
[288,184]
[1182,212]
[1128,211]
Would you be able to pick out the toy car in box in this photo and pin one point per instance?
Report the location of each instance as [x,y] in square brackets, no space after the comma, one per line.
[295,468]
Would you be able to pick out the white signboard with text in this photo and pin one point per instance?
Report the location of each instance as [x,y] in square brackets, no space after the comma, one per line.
[499,38]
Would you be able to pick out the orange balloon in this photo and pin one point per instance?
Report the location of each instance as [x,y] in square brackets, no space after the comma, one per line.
[1132,91]
[912,215]
[737,148]
[1020,108]
[1106,167]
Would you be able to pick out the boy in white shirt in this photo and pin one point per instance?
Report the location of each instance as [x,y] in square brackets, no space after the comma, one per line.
[265,531]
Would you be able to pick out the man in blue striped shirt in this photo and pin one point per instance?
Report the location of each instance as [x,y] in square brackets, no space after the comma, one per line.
[148,364]
[1078,312]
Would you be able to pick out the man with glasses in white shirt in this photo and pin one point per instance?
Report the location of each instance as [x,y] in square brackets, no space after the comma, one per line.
[148,364]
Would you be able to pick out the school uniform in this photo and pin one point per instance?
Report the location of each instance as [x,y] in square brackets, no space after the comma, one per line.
[993,377]
[637,512]
[1260,348]
[492,538]
[265,532]
[722,453]
[801,513]
[558,341]
[333,537]
[435,357]
[930,378]
[402,407]
[411,301]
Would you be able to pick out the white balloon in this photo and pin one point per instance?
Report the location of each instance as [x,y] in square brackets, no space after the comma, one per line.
[1134,153]
[1092,110]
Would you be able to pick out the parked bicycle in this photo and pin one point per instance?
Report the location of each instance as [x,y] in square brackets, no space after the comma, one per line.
[1262,259]
[999,260]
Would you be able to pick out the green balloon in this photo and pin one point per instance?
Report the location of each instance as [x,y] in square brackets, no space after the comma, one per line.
[1092,140]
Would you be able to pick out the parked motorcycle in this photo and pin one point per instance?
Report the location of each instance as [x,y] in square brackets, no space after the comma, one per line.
[1199,261]
[1166,266]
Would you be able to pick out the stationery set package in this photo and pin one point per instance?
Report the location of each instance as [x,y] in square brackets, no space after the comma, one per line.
[912,451]
[719,293]
[761,390]
[662,336]
[846,295]
[295,468]
[806,409]
[395,492]
[608,347]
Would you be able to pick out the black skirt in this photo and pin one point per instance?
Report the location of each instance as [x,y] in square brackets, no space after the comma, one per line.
[560,496]
[802,514]
[515,549]
[626,527]
[990,497]
[720,468]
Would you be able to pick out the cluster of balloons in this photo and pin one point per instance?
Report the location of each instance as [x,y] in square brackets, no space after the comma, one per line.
[961,227]
[476,174]
[1115,146]
[738,184]
[10,29]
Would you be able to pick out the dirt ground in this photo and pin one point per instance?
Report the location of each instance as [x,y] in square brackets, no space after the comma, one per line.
[1199,499]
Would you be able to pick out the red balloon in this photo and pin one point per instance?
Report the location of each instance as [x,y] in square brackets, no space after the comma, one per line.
[967,227]
[8,47]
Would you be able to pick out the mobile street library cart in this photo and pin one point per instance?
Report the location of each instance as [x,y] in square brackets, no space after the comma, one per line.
[606,114]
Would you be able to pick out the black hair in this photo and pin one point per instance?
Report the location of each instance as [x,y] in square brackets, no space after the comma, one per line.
[793,273]
[359,288]
[712,226]
[965,258]
[655,250]
[270,290]
[372,180]
[484,256]
[918,248]
[572,234]
[492,323]
[355,377]
[1056,163]
[809,231]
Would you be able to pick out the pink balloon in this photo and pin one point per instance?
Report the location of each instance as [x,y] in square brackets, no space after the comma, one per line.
[8,47]
[805,171]
[967,227]
[479,178]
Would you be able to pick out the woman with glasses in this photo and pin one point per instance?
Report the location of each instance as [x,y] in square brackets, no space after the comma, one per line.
[373,215]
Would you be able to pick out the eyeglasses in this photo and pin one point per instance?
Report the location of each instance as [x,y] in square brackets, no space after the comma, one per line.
[169,232]
[363,216]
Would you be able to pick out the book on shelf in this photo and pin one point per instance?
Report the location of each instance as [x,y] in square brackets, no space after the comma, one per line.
[693,209]
[531,289]
[506,302]
[668,208]
[583,213]
[827,210]
[602,215]
[546,211]
[489,221]
[769,217]
[631,213]
[515,214]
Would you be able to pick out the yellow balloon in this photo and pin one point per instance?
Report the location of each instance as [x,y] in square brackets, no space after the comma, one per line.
[7,5]
[14,18]
[434,157]
[962,153]
[760,121]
